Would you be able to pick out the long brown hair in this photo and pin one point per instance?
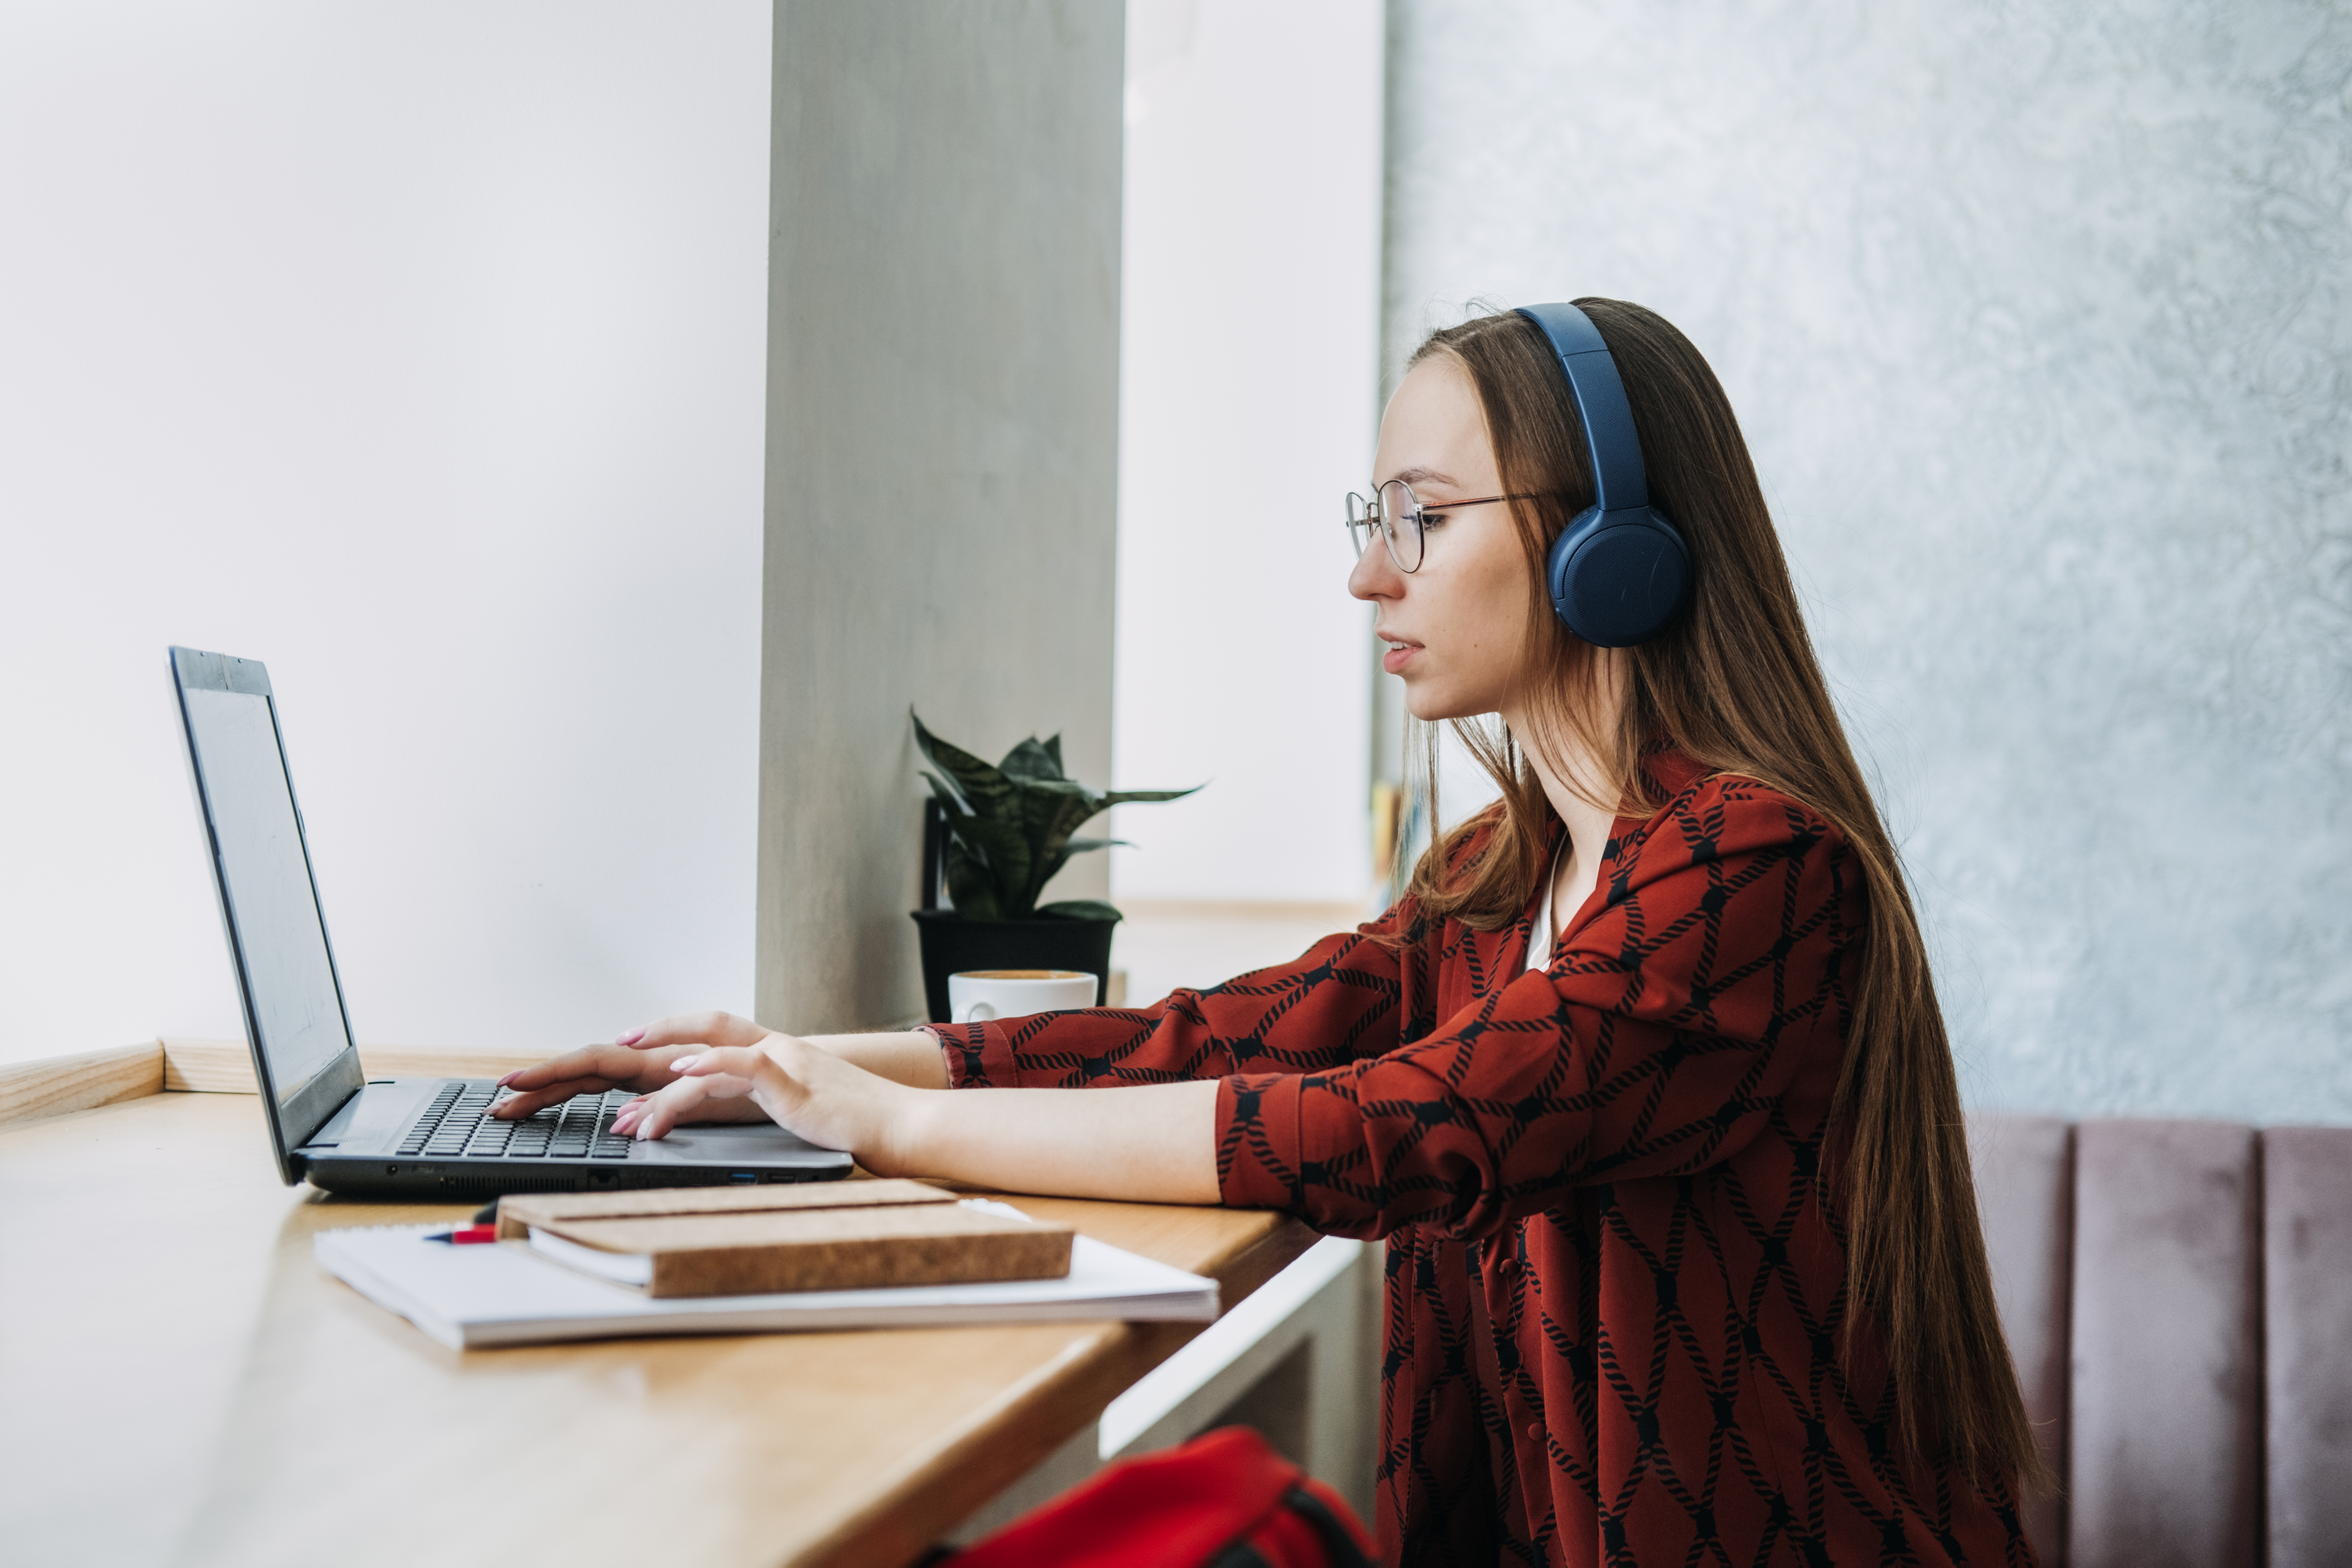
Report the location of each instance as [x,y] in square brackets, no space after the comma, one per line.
[1733,683]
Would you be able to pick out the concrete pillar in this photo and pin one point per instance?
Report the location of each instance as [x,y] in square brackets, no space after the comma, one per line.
[942,451]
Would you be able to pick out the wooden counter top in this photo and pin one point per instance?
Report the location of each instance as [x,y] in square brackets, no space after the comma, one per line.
[180,1384]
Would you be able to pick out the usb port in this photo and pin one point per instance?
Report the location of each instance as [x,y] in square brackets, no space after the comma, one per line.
[744,1176]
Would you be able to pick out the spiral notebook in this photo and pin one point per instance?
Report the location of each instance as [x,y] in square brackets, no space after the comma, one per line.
[474,1298]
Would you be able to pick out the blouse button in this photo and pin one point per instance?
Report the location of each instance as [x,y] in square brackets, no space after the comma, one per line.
[1510,1268]
[1535,1431]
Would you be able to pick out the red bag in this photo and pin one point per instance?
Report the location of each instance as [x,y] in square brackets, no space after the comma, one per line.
[1222,1500]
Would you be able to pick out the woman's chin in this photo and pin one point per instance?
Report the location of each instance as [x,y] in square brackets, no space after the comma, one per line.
[1429,707]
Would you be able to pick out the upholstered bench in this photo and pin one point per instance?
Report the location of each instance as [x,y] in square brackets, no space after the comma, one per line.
[2178,1298]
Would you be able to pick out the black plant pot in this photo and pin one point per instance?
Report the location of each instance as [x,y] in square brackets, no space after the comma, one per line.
[951,943]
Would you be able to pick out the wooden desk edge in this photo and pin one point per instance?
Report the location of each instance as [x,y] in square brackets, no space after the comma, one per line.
[58,1086]
[904,1522]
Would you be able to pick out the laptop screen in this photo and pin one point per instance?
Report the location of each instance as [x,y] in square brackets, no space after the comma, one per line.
[293,1004]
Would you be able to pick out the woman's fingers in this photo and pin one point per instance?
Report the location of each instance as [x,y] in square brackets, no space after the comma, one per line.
[553,1094]
[746,1063]
[655,1115]
[582,1063]
[687,1099]
[708,1108]
[589,1070]
[720,1029]
[717,1074]
[553,1082]
[742,1071]
[640,1060]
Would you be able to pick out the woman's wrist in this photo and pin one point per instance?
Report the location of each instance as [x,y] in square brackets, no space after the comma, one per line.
[909,1056]
[905,1131]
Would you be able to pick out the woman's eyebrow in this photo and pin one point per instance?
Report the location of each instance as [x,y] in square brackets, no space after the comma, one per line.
[1423,475]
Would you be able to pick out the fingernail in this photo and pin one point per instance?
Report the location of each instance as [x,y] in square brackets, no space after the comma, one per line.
[509,1077]
[682,1063]
[632,1037]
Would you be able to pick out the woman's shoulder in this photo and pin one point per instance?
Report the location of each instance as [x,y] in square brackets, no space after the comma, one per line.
[1710,814]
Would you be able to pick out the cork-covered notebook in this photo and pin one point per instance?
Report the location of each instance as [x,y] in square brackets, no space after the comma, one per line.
[829,1235]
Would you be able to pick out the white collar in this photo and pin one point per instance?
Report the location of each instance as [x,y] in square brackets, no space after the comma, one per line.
[1539,938]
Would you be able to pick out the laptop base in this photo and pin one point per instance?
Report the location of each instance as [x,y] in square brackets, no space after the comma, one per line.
[461,1182]
[360,1152]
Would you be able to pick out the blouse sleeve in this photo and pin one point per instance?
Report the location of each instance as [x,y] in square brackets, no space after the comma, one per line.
[1659,1041]
[1341,1001]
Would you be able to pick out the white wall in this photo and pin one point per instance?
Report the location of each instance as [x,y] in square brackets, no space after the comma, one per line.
[416,350]
[1247,412]
[2037,319]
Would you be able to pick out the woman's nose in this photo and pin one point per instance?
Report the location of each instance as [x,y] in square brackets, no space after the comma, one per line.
[1375,575]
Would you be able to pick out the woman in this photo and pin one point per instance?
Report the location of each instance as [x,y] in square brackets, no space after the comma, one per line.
[1644,1080]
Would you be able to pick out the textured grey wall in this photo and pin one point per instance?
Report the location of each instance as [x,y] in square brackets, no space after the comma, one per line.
[942,452]
[2037,320]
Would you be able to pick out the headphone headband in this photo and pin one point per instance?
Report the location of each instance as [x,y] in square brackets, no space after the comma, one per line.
[1619,571]
[1618,480]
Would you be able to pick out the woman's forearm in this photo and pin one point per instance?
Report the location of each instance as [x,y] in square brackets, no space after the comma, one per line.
[907,1055]
[1152,1143]
[862,1093]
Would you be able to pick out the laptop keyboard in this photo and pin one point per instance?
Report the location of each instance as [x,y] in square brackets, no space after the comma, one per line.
[459,1124]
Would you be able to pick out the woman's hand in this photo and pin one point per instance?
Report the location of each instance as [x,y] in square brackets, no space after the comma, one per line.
[1153,1143]
[806,1090]
[638,1060]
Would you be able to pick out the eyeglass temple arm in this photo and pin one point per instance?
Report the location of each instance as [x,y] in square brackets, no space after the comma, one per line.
[1370,512]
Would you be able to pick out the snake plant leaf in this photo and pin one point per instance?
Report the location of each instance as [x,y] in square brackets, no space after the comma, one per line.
[970,886]
[1029,760]
[1081,845]
[988,864]
[1138,797]
[1000,846]
[1046,804]
[1054,817]
[982,786]
[1080,909]
[1054,851]
[1052,813]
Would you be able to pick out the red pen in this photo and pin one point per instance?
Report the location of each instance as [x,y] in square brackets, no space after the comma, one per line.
[468,1235]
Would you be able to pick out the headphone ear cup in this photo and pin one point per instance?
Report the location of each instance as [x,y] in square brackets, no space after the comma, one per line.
[1617,578]
[1558,566]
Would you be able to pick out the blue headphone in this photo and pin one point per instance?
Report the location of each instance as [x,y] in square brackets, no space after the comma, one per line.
[1620,570]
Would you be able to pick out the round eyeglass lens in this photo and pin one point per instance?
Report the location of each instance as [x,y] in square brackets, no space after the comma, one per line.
[1401,522]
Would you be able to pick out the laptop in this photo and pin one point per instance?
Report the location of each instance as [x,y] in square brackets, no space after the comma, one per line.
[415,1138]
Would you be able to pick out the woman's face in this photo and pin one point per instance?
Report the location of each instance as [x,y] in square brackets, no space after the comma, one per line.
[1456,628]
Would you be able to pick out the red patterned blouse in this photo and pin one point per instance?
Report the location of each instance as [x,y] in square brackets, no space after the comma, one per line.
[1613,1295]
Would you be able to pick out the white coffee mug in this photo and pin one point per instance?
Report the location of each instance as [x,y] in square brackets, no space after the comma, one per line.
[979,996]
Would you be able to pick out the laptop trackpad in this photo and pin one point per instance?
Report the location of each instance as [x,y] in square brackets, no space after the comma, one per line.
[731,1145]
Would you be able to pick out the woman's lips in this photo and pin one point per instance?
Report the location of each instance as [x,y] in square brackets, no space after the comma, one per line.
[1394,661]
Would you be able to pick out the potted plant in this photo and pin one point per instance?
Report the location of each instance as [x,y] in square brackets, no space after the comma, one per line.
[1007,830]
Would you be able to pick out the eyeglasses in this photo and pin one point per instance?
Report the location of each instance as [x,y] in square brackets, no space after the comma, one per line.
[1398,516]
